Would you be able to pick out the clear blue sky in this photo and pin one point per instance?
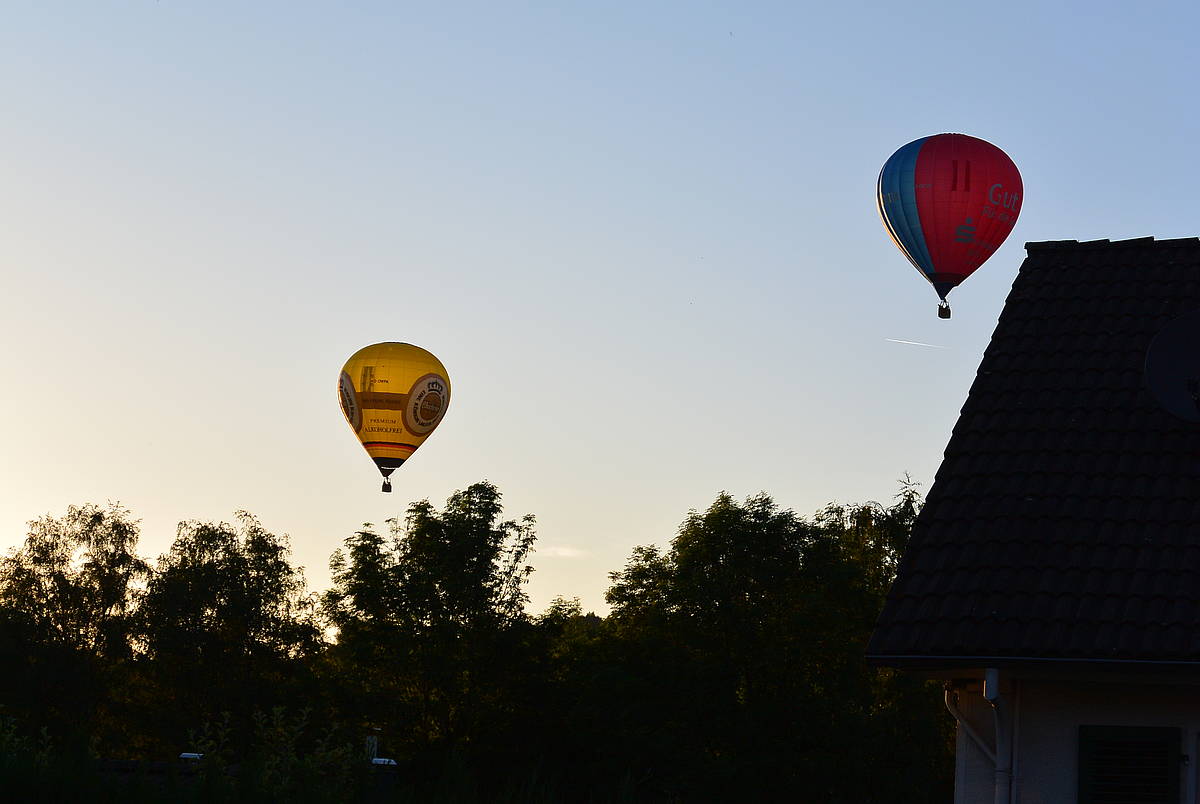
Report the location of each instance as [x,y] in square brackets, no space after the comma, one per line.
[641,237]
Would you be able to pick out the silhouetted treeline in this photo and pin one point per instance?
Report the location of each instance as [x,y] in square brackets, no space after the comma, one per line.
[729,669]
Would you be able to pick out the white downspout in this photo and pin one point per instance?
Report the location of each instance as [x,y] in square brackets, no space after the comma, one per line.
[1015,740]
[1003,756]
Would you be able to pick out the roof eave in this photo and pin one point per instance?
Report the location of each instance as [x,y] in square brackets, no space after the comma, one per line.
[934,662]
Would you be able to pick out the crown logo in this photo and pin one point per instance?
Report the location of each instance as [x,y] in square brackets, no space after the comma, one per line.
[435,385]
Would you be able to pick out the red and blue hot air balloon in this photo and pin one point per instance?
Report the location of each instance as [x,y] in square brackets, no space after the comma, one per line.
[948,202]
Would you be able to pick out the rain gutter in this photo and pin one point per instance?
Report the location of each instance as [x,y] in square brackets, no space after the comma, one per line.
[893,660]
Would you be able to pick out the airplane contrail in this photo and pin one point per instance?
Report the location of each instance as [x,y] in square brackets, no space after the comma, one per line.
[915,343]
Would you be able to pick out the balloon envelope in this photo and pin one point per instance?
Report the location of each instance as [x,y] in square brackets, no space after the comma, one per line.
[949,201]
[393,395]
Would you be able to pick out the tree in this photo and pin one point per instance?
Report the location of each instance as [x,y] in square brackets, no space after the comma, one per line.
[747,636]
[459,570]
[74,580]
[225,593]
[227,622]
[430,616]
[67,598]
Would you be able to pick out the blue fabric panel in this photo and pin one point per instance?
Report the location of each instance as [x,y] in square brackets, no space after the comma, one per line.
[897,199]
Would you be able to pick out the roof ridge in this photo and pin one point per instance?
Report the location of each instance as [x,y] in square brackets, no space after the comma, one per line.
[1132,242]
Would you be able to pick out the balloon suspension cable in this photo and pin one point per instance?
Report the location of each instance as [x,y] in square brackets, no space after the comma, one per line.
[387,485]
[943,309]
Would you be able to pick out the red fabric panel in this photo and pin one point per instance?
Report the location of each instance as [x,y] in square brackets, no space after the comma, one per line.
[969,194]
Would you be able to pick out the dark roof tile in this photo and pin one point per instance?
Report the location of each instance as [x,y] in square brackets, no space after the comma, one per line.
[1064,521]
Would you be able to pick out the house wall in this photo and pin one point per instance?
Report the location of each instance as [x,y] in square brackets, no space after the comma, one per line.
[1047,714]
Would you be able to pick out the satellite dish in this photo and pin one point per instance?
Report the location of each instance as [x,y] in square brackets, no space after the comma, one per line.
[1173,367]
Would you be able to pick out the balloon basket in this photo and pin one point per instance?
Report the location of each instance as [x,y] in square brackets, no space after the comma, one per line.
[943,310]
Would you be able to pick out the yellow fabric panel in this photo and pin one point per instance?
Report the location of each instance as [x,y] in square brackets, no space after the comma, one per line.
[393,395]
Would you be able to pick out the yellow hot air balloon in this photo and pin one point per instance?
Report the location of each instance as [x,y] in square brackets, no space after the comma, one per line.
[393,395]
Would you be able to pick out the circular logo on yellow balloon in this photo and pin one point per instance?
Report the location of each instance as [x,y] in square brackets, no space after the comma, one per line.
[349,399]
[426,404]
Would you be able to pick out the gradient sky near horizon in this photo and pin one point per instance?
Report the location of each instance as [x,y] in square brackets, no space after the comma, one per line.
[642,238]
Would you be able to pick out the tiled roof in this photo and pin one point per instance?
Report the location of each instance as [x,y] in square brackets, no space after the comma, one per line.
[1064,522]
